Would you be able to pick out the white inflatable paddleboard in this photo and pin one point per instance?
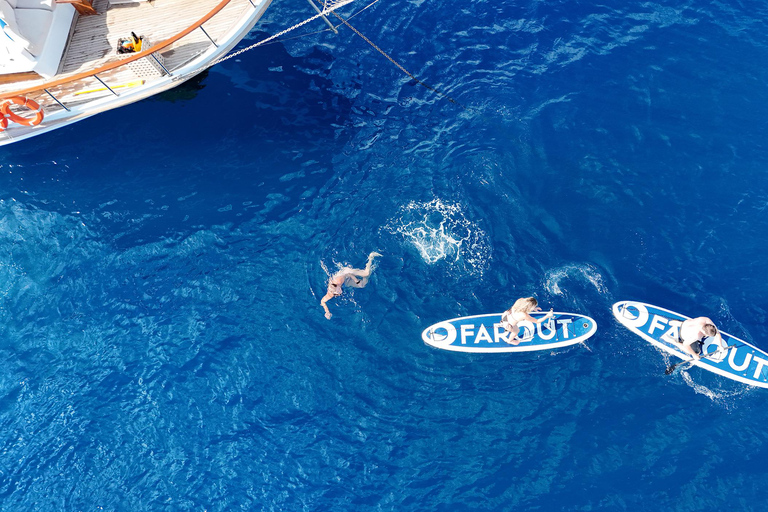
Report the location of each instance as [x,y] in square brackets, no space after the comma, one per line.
[734,358]
[484,333]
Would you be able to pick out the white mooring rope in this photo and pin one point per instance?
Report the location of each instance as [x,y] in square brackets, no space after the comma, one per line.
[328,8]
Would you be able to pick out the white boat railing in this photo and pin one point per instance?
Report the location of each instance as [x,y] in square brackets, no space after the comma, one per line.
[26,108]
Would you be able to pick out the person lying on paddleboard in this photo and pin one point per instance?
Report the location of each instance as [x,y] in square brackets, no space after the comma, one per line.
[347,276]
[694,331]
[520,311]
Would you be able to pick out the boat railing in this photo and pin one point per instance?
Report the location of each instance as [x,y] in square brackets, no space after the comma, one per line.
[124,72]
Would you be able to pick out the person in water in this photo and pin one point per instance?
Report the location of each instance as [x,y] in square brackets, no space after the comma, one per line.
[694,331]
[347,276]
[521,310]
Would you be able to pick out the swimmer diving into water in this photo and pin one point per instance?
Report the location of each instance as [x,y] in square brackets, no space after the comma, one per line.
[347,276]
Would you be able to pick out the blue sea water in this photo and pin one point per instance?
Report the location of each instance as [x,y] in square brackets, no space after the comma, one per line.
[161,267]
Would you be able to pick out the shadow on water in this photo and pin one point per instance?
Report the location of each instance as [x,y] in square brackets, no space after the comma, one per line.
[248,139]
[186,91]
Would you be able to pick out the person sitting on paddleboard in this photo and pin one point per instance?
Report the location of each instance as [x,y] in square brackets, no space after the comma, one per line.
[347,276]
[694,331]
[520,311]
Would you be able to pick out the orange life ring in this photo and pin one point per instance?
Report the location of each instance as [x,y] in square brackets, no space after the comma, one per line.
[3,124]
[5,109]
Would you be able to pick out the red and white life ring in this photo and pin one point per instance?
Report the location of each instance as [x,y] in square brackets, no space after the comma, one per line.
[22,101]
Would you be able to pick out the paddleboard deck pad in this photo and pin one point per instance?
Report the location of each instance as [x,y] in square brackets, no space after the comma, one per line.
[733,358]
[484,333]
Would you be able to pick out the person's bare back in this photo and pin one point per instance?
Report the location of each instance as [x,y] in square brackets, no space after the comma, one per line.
[693,331]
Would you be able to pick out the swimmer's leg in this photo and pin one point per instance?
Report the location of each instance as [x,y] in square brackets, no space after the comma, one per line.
[369,265]
[360,276]
[515,339]
[512,339]
[355,277]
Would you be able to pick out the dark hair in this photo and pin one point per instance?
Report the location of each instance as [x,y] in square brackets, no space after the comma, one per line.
[709,329]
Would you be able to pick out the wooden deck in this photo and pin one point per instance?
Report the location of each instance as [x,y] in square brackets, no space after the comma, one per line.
[94,40]
[93,43]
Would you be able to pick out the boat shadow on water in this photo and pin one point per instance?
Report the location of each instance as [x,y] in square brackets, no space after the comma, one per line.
[185,91]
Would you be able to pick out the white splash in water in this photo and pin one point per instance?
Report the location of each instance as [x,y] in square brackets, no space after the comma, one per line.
[722,396]
[440,231]
[584,271]
[698,388]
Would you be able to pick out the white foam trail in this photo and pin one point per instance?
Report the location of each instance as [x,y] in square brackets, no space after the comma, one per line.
[722,397]
[325,268]
[698,388]
[440,231]
[583,271]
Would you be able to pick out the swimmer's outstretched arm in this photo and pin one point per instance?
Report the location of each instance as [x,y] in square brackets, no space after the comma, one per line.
[328,296]
[528,317]
[719,339]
